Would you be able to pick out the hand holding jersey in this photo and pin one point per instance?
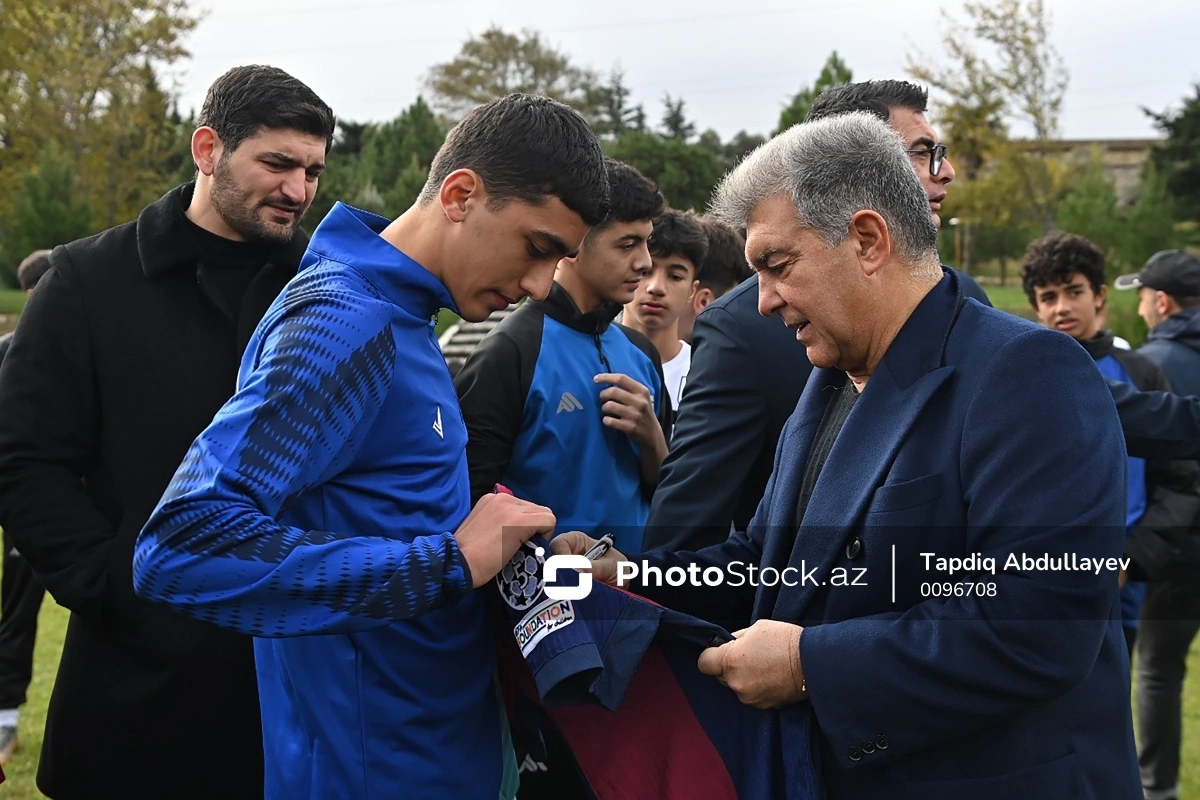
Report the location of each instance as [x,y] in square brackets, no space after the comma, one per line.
[761,665]
[518,521]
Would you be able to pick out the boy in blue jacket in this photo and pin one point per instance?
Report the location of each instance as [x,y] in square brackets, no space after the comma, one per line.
[326,510]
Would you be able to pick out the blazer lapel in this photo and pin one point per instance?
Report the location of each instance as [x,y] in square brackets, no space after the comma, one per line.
[856,467]
[793,448]
[899,389]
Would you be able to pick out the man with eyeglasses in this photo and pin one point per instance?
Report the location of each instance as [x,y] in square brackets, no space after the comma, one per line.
[747,371]
[902,105]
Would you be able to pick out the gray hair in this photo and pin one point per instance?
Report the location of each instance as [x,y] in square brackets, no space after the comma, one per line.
[831,169]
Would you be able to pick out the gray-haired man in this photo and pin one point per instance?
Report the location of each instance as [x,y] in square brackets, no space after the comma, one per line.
[931,428]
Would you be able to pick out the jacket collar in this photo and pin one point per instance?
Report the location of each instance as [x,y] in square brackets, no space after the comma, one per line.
[165,241]
[912,372]
[1100,345]
[560,306]
[351,236]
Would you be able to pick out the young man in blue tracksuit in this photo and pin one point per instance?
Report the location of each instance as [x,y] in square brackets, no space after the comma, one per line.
[326,509]
[564,407]
[569,410]
[1063,276]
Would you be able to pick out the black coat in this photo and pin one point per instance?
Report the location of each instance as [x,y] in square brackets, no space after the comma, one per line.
[121,357]
[746,375]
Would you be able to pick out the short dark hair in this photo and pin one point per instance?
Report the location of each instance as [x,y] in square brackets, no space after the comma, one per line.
[874,97]
[1055,258]
[725,264]
[527,148]
[679,233]
[248,99]
[632,196]
[32,268]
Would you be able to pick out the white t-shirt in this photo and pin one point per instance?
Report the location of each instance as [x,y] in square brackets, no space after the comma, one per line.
[675,372]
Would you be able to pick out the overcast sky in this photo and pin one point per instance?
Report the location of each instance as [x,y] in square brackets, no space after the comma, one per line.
[735,63]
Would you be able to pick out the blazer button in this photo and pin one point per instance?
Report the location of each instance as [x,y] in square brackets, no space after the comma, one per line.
[854,549]
[855,753]
[882,742]
[868,746]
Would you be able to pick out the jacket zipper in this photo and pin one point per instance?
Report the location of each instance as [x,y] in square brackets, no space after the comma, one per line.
[600,350]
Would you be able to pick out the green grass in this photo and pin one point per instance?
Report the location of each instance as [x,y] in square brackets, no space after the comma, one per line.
[22,767]
[11,301]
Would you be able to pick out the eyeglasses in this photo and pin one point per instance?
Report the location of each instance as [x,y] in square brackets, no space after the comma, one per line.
[936,155]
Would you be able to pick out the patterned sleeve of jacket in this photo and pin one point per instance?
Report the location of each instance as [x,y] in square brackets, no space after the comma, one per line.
[312,383]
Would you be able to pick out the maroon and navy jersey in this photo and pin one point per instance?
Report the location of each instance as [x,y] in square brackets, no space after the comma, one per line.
[616,676]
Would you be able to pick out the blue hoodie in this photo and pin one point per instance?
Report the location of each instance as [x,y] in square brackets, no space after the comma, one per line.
[1174,344]
[316,513]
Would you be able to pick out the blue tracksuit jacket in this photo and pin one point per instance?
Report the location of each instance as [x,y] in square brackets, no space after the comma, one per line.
[316,514]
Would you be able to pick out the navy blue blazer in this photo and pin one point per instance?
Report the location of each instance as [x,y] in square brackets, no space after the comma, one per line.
[978,433]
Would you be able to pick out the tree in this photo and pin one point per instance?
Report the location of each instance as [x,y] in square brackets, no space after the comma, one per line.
[1024,80]
[733,151]
[67,62]
[396,156]
[1089,209]
[497,63]
[48,211]
[675,123]
[1177,160]
[833,73]
[616,114]
[685,173]
[83,75]
[994,226]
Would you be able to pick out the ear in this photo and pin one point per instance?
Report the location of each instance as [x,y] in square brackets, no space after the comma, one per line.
[1102,298]
[702,297]
[460,186]
[1162,304]
[695,288]
[870,240]
[206,149]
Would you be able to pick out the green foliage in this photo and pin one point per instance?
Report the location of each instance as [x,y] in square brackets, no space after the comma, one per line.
[1178,159]
[675,124]
[685,173]
[83,76]
[616,114]
[833,73]
[380,167]
[396,156]
[1127,238]
[48,210]
[1090,210]
[731,152]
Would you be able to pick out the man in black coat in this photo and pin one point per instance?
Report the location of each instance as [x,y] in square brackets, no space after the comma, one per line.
[123,355]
